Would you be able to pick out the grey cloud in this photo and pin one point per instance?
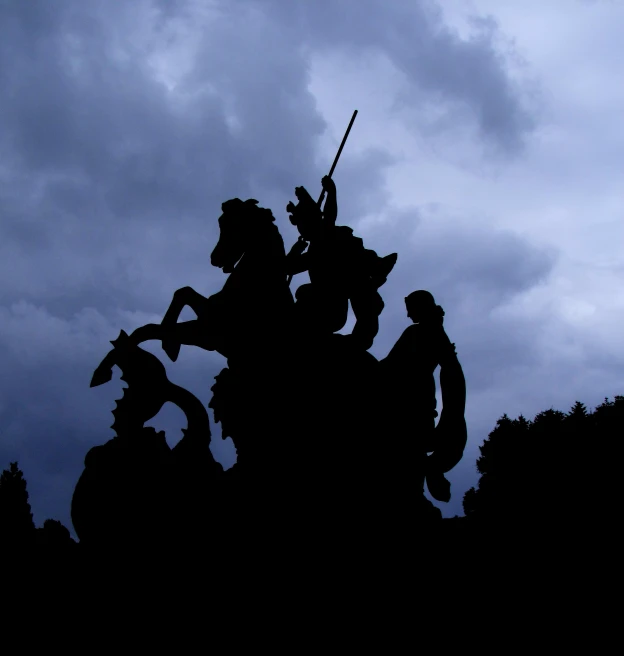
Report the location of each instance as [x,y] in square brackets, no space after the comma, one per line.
[442,69]
[474,268]
[102,164]
[361,185]
[470,277]
[110,185]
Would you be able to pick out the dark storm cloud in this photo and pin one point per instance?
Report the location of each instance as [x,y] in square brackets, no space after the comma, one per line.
[457,78]
[111,178]
[106,170]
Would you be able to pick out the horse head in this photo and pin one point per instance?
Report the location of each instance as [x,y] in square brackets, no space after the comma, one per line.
[239,228]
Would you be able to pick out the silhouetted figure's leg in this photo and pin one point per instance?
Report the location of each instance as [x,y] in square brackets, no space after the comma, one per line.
[367,306]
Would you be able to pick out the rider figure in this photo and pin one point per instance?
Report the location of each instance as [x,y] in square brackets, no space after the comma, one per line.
[340,270]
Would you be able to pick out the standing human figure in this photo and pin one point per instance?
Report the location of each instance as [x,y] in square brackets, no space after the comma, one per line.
[410,391]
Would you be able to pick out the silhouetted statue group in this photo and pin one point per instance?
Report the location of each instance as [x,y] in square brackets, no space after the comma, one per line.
[328,438]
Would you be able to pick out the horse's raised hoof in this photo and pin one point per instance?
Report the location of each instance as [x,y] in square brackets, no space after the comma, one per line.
[172,350]
[100,376]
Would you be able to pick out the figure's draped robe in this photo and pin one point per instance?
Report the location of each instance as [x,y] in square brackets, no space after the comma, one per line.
[410,400]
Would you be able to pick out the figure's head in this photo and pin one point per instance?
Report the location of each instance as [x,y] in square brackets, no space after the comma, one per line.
[236,225]
[421,307]
[306,214]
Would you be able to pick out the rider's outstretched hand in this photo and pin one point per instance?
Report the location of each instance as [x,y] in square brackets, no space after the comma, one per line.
[328,184]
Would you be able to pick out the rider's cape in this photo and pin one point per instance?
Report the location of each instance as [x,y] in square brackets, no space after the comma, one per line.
[358,263]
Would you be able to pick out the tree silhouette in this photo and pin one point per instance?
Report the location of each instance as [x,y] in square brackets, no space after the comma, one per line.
[501,467]
[556,472]
[16,520]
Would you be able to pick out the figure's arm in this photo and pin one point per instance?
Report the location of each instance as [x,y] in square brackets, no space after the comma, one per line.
[330,209]
[447,349]
[296,263]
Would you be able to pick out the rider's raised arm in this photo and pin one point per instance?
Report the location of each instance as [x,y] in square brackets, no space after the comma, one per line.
[330,209]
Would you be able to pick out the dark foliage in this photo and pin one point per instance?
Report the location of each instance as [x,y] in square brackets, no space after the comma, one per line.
[556,473]
[16,520]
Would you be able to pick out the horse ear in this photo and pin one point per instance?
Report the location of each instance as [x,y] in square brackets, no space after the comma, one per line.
[231,204]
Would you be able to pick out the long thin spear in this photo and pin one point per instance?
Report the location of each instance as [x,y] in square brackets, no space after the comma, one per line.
[344,141]
[331,171]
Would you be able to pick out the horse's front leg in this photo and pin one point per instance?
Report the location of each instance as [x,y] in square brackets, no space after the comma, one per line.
[181,298]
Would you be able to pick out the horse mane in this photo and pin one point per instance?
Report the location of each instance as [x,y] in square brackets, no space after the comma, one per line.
[260,218]
[248,208]
[261,213]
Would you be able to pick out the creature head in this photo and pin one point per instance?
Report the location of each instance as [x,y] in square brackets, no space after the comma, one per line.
[238,225]
[306,214]
[147,389]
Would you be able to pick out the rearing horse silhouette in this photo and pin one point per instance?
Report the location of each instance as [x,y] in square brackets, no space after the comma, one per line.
[249,315]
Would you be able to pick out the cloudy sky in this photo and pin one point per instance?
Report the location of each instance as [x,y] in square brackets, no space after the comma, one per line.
[488,152]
